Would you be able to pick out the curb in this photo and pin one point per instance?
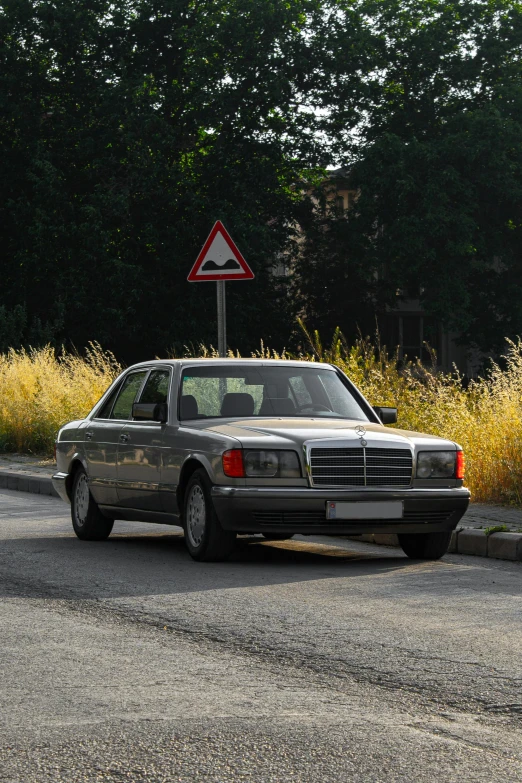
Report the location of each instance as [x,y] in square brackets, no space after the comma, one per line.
[465,541]
[30,482]
[502,546]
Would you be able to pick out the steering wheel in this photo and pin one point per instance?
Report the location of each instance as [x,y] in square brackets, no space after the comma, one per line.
[315,407]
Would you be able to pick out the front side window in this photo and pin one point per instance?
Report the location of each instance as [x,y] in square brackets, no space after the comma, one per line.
[245,391]
[131,385]
[105,411]
[156,389]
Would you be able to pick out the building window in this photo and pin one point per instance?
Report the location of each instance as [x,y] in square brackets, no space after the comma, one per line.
[280,269]
[411,332]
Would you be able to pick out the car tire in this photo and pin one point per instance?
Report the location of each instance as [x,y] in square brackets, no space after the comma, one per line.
[277,536]
[205,538]
[425,546]
[88,521]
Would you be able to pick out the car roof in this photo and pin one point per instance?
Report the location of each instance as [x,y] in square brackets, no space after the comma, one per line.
[259,362]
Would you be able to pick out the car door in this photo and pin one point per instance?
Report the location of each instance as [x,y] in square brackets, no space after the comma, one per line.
[101,438]
[140,449]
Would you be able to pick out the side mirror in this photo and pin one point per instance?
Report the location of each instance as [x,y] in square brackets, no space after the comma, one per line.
[150,411]
[386,415]
[161,412]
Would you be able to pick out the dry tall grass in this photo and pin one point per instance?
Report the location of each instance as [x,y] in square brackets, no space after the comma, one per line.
[39,391]
[484,416]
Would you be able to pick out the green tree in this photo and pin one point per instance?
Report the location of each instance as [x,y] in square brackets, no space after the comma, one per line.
[430,136]
[125,131]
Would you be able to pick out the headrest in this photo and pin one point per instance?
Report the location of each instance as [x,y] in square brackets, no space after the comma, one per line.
[277,406]
[237,404]
[189,407]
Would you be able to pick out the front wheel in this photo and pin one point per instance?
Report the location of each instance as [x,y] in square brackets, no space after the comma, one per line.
[425,546]
[206,540]
[88,521]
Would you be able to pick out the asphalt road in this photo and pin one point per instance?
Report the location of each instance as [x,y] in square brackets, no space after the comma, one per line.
[310,660]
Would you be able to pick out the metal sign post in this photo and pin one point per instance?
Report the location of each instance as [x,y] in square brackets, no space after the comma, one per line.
[220,260]
[221,317]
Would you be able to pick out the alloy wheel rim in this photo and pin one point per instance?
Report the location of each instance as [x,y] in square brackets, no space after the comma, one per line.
[81,500]
[196,516]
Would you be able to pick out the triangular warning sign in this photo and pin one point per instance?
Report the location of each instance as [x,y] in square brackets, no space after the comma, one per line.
[219,259]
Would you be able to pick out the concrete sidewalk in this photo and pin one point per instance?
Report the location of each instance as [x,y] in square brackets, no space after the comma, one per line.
[33,474]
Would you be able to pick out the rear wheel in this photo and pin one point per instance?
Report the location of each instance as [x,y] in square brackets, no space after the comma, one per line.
[206,540]
[88,521]
[425,546]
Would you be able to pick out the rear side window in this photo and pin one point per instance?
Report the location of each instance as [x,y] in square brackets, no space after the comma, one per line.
[157,387]
[128,393]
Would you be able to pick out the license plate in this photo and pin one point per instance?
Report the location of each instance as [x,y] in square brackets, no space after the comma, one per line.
[390,509]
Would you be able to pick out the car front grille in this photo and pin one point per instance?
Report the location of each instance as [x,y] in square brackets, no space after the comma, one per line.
[361,467]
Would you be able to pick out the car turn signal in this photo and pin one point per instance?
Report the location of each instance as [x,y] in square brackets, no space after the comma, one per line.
[461,465]
[233,465]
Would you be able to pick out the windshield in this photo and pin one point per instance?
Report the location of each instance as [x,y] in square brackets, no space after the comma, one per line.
[242,391]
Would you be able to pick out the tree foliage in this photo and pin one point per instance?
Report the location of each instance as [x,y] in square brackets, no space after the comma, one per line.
[435,154]
[127,129]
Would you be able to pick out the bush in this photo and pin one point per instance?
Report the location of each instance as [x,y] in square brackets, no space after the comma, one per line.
[40,391]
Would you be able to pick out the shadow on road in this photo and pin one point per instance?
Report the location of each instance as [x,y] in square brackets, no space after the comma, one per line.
[158,564]
[40,555]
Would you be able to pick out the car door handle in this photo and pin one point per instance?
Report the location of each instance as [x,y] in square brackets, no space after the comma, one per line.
[88,435]
[124,437]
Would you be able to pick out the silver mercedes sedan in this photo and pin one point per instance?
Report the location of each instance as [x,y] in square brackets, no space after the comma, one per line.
[224,447]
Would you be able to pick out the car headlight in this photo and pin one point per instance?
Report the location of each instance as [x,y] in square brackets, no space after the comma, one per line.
[271,464]
[261,464]
[436,464]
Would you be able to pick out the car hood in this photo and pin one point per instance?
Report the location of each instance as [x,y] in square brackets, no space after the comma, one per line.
[283,433]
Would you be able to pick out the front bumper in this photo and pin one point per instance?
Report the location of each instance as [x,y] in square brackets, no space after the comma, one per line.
[59,483]
[303,510]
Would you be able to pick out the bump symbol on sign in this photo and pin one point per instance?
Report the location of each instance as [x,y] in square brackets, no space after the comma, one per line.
[211,266]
